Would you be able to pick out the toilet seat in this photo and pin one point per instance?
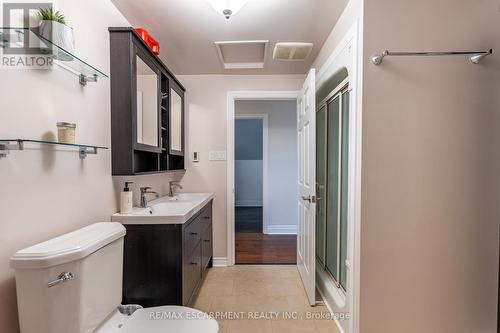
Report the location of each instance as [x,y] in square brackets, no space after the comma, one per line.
[170,319]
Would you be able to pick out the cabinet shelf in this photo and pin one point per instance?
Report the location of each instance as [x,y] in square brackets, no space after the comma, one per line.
[18,144]
[19,38]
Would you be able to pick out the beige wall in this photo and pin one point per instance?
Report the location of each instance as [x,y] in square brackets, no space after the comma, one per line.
[46,193]
[430,187]
[206,116]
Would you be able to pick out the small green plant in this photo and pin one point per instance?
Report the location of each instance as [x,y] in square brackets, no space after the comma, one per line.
[49,14]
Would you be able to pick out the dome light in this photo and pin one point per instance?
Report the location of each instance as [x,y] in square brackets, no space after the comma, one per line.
[227,8]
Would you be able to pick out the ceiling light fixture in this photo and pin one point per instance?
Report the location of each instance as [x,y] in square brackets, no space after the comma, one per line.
[227,8]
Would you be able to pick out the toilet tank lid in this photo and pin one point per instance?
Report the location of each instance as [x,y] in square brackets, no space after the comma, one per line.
[68,247]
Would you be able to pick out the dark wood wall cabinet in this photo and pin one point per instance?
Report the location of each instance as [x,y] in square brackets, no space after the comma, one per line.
[147,109]
[166,264]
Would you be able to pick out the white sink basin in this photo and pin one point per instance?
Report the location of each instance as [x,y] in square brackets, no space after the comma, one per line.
[187,197]
[171,208]
[166,210]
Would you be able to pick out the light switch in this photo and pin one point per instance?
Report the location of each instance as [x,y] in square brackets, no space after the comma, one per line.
[196,156]
[217,155]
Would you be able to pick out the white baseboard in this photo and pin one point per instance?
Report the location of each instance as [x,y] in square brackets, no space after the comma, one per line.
[219,262]
[328,292]
[248,203]
[327,305]
[289,229]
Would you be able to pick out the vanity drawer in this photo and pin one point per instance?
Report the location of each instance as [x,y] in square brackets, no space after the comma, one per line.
[206,217]
[206,247]
[192,236]
[191,274]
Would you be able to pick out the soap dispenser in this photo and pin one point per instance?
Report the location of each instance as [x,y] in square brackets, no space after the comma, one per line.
[126,202]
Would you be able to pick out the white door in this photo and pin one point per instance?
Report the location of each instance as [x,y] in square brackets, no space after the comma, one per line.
[306,256]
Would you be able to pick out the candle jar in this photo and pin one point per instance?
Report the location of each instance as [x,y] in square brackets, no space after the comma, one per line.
[66,132]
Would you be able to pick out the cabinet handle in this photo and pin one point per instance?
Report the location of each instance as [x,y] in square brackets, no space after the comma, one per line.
[206,240]
[206,217]
[194,233]
[193,263]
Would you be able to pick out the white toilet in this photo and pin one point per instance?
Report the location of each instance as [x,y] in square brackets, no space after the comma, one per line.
[73,284]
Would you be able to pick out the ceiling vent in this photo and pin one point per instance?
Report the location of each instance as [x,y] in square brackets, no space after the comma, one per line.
[292,51]
[246,54]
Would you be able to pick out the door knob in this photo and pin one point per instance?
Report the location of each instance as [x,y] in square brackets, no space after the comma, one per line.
[310,198]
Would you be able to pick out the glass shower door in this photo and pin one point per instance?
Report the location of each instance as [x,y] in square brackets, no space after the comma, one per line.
[344,188]
[333,206]
[332,154]
[321,157]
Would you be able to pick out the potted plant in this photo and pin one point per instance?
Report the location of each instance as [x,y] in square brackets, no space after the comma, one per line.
[53,27]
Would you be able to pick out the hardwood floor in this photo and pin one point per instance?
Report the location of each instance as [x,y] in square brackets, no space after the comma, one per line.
[254,247]
[248,219]
[258,248]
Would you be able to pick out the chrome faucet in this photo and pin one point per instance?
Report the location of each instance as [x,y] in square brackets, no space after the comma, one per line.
[144,191]
[172,186]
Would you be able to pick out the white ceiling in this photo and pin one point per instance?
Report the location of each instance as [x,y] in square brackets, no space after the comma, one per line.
[187,30]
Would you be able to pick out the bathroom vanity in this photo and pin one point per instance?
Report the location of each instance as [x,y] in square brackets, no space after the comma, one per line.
[168,248]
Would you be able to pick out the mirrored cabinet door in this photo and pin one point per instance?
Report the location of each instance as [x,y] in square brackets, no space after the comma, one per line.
[147,110]
[176,122]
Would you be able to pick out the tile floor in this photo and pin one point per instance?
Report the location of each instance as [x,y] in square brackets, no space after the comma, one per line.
[262,291]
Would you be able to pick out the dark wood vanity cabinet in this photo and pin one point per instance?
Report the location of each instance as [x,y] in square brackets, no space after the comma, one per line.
[147,109]
[164,264]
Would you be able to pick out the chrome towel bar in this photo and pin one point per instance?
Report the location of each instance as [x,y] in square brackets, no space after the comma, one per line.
[475,56]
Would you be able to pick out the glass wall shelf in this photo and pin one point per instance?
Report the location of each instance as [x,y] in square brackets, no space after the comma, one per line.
[18,144]
[25,44]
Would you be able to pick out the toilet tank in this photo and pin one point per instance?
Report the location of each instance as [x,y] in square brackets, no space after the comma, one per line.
[91,259]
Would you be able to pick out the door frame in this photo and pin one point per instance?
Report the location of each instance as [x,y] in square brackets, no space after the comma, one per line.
[232,97]
[265,166]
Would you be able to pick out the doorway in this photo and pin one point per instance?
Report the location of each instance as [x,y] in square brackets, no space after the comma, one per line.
[250,142]
[264,165]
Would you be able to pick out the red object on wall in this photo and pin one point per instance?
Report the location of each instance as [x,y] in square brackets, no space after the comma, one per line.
[154,45]
[150,41]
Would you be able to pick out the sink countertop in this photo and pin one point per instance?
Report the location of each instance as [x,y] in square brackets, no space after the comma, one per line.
[166,210]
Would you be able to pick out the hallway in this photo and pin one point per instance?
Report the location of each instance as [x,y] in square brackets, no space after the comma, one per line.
[254,247]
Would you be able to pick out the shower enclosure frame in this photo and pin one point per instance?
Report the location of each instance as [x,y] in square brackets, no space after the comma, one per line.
[337,92]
